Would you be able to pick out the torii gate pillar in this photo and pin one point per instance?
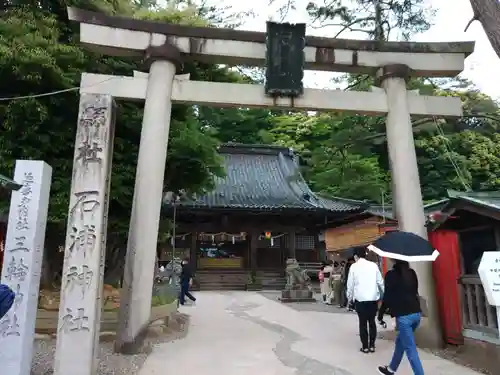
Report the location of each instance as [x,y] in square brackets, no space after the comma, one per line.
[407,194]
[135,299]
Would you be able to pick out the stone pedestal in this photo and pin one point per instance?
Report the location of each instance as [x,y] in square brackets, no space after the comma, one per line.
[172,274]
[83,269]
[297,295]
[22,264]
[298,285]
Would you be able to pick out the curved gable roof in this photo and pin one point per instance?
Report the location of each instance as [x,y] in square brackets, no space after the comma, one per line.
[262,177]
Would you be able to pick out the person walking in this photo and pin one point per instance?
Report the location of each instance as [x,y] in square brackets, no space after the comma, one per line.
[402,301]
[186,283]
[345,277]
[327,286]
[337,283]
[321,278]
[365,287]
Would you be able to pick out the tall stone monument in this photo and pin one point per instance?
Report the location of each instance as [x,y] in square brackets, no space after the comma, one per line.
[83,269]
[22,264]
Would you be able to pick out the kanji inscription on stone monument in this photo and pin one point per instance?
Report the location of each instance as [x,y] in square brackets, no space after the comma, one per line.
[80,307]
[22,264]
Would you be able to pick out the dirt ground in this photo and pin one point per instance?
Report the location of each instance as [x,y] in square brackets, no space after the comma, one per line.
[477,357]
[111,363]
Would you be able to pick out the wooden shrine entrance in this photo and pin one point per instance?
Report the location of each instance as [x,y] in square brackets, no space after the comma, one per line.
[222,250]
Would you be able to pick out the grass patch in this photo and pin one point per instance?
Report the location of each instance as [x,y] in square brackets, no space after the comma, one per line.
[162,300]
[163,294]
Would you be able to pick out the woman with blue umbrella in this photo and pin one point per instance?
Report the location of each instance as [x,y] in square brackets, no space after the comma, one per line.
[401,297]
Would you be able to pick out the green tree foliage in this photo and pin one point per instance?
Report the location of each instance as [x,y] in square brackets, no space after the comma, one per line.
[34,61]
[378,19]
[40,53]
[371,19]
[341,154]
[334,162]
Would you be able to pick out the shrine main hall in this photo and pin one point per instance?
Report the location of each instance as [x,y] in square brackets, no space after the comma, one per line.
[256,217]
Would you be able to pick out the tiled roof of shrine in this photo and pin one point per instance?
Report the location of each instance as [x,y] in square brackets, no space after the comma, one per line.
[489,199]
[263,177]
[386,211]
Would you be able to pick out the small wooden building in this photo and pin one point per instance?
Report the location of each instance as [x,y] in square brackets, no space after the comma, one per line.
[467,226]
[364,228]
[260,214]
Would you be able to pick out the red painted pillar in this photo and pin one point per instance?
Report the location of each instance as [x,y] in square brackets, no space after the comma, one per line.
[446,271]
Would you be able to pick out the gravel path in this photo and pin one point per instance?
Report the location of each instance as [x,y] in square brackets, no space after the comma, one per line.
[111,363]
[487,367]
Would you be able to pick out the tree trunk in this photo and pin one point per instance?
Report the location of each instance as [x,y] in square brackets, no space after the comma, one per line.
[488,13]
[115,261]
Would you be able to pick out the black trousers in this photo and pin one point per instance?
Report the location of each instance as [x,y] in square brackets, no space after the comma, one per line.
[185,293]
[367,311]
[344,301]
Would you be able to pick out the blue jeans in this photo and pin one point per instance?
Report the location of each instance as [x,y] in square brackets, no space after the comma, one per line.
[405,343]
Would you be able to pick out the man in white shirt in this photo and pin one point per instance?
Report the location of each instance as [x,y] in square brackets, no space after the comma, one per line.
[365,286]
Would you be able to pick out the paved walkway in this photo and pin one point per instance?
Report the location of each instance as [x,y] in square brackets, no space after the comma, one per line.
[240,333]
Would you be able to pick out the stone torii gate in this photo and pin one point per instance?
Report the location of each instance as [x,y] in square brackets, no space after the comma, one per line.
[165,47]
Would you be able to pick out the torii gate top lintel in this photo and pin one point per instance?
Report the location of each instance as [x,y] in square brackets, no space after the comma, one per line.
[114,35]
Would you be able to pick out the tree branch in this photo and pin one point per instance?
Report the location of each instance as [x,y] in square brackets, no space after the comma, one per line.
[475,18]
[361,80]
[349,25]
[344,26]
[332,154]
[488,13]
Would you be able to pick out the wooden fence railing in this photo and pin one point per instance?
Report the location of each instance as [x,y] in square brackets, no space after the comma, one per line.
[477,313]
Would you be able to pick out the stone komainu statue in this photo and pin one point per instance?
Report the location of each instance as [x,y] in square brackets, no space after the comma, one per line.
[172,273]
[296,278]
[168,282]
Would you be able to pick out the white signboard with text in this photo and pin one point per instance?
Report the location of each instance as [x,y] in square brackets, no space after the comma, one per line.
[22,264]
[489,272]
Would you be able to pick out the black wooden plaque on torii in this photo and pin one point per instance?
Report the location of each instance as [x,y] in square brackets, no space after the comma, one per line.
[285,59]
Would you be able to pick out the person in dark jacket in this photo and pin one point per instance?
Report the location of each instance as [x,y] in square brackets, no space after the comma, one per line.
[7,297]
[345,276]
[186,283]
[402,301]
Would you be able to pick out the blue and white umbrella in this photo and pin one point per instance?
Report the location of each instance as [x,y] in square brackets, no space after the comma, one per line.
[404,246]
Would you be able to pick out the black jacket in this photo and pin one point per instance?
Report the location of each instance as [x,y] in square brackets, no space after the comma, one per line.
[345,276]
[187,273]
[400,294]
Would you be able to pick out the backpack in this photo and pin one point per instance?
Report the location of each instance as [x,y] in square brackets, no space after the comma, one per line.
[6,299]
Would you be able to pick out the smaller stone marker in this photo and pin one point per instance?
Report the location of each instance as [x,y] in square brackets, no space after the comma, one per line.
[298,284]
[489,273]
[22,263]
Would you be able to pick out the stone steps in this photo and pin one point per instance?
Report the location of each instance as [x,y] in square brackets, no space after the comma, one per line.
[271,280]
[237,280]
[222,279]
[218,286]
